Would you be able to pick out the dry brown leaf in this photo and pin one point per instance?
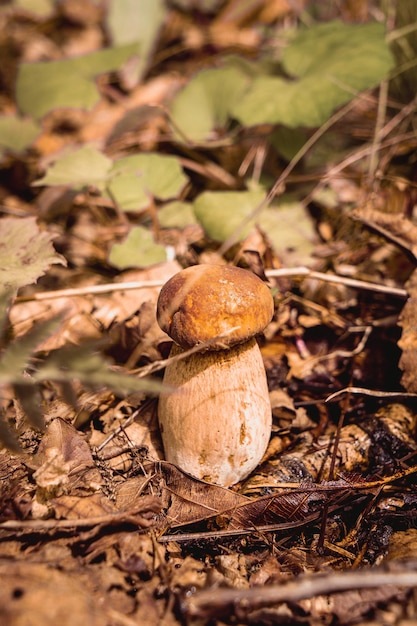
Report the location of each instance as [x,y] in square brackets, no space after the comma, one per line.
[269,571]
[192,501]
[86,317]
[38,595]
[403,545]
[233,568]
[408,341]
[136,554]
[188,573]
[77,324]
[394,227]
[76,507]
[75,453]
[141,437]
[126,302]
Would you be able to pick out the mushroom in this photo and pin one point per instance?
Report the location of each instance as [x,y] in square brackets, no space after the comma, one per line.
[215,420]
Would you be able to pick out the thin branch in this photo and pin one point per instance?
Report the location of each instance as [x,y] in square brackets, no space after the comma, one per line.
[392,395]
[379,126]
[211,602]
[54,524]
[295,272]
[88,290]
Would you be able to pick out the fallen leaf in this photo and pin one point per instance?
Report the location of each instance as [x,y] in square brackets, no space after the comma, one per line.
[46,596]
[26,253]
[408,341]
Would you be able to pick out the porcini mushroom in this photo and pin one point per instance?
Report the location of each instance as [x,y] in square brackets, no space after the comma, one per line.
[215,421]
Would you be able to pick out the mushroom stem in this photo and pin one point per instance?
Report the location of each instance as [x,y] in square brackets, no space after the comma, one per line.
[216,423]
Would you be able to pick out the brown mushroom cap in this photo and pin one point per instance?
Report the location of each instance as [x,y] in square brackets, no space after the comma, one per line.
[205,301]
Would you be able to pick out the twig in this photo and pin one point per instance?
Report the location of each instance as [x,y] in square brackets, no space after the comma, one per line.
[89,290]
[156,366]
[53,524]
[334,278]
[222,534]
[379,126]
[295,272]
[392,395]
[212,602]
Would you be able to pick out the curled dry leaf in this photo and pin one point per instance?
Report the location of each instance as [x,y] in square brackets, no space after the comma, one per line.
[408,341]
[62,441]
[394,227]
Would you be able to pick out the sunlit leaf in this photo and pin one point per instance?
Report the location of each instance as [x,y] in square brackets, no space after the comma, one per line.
[222,213]
[327,63]
[338,49]
[206,102]
[138,250]
[44,86]
[287,226]
[129,22]
[291,231]
[83,167]
[135,179]
[176,214]
[17,133]
[25,253]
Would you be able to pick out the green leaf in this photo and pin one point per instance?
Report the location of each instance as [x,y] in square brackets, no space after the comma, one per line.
[129,23]
[16,133]
[288,141]
[42,87]
[332,61]
[339,49]
[138,250]
[287,225]
[205,104]
[131,181]
[291,232]
[274,100]
[221,213]
[176,214]
[81,168]
[25,253]
[135,179]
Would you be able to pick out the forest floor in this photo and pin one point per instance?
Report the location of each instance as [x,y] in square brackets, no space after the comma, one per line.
[95,526]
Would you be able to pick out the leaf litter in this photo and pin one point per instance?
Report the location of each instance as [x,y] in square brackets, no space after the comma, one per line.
[94,524]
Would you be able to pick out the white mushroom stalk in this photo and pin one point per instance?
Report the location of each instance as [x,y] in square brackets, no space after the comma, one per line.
[216,423]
